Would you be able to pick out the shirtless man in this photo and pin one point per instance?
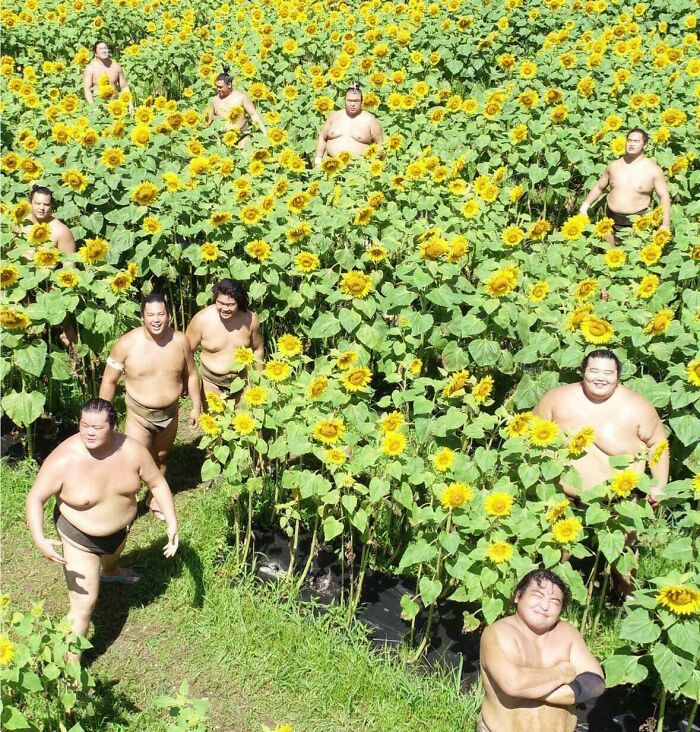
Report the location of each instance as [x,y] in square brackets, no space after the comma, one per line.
[624,423]
[95,476]
[155,360]
[41,212]
[632,180]
[350,130]
[221,328]
[228,99]
[102,66]
[534,666]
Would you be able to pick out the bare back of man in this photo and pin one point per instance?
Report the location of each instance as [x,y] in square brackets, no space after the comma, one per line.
[349,134]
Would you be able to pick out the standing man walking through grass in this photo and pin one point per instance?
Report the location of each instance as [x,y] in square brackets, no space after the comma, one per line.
[95,476]
[534,665]
[156,360]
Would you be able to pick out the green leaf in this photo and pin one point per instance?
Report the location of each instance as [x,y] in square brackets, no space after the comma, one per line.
[528,474]
[12,718]
[61,366]
[23,408]
[68,700]
[210,469]
[685,635]
[430,589]
[492,607]
[409,607]
[679,550]
[550,556]
[484,352]
[420,552]
[31,682]
[611,543]
[686,428]
[32,357]
[673,669]
[331,528]
[349,319]
[325,326]
[623,669]
[639,628]
[360,520]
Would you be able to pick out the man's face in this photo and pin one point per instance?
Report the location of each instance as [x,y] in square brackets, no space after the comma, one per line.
[41,206]
[600,378]
[635,143]
[155,318]
[226,306]
[222,88]
[95,430]
[102,51]
[353,103]
[540,605]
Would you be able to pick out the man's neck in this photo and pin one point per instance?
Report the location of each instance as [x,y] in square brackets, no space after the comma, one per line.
[45,220]
[162,339]
[597,400]
[525,628]
[629,159]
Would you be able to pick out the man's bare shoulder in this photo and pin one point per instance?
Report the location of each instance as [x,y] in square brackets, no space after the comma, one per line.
[369,116]
[254,320]
[64,452]
[503,629]
[566,630]
[59,227]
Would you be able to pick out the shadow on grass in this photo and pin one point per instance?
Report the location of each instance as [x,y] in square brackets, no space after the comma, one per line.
[185,467]
[115,601]
[110,704]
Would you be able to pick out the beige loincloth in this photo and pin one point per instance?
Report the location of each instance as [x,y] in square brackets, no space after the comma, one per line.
[158,418]
[223,381]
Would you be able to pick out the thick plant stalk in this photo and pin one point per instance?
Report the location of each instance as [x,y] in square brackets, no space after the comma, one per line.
[589,594]
[662,711]
[357,594]
[601,599]
[293,552]
[312,551]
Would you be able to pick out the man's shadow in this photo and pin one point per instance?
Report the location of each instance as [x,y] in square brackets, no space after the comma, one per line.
[116,600]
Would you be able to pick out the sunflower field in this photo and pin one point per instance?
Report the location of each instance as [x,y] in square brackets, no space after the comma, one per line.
[415,301]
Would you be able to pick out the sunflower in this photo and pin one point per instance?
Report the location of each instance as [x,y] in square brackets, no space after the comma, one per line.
[391,422]
[357,379]
[151,225]
[302,230]
[277,370]
[14,319]
[329,431]
[574,227]
[113,157]
[243,356]
[527,70]
[141,135]
[679,599]
[289,345]
[393,443]
[306,262]
[650,254]
[209,252]
[498,504]
[243,423]
[658,452]
[121,281]
[596,330]
[255,396]
[693,372]
[542,432]
[215,404]
[499,552]
[615,258]
[38,234]
[624,482]
[604,228]
[538,291]
[335,456]
[93,251]
[456,495]
[518,424]
[455,384]
[75,180]
[503,281]
[209,425]
[144,194]
[297,202]
[67,278]
[317,387]
[7,650]
[659,322]
[442,460]
[9,274]
[538,230]
[356,284]
[566,530]
[557,511]
[585,290]
[482,389]
[376,252]
[581,440]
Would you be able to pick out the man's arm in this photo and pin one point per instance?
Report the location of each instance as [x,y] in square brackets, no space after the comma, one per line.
[113,370]
[253,113]
[503,665]
[154,479]
[596,192]
[377,134]
[87,85]
[655,434]
[194,333]
[321,144]
[664,197]
[192,384]
[256,342]
[210,113]
[65,240]
[47,484]
[543,408]
[123,83]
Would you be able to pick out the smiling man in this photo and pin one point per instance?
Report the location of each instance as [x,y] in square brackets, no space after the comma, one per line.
[632,179]
[156,360]
[623,422]
[535,666]
[221,328]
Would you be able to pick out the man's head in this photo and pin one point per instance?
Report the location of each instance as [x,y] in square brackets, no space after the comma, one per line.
[41,202]
[540,598]
[353,100]
[637,140]
[224,83]
[601,374]
[230,297]
[155,313]
[101,50]
[98,420]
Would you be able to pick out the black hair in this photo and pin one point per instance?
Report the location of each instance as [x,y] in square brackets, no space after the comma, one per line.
[543,575]
[96,44]
[40,190]
[225,76]
[154,297]
[234,289]
[601,353]
[355,88]
[643,133]
[96,404]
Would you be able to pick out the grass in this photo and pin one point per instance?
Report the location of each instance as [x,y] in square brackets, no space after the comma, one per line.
[256,652]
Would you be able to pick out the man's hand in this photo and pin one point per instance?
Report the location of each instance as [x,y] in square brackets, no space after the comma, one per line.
[173,542]
[584,209]
[568,672]
[194,416]
[46,547]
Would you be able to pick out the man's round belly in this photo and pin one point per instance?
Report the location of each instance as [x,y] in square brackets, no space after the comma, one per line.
[220,362]
[155,393]
[106,517]
[526,715]
[628,201]
[594,469]
[345,143]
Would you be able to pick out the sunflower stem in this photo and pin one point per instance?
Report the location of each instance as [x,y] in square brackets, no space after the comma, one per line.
[662,711]
[601,599]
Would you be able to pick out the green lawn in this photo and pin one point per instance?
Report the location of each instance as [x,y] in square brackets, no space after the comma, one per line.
[259,655]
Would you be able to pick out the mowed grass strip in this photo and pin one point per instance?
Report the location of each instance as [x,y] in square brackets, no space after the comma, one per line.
[258,654]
